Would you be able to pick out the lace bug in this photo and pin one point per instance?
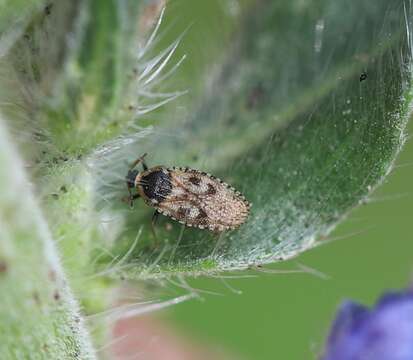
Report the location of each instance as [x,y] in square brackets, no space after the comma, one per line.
[192,197]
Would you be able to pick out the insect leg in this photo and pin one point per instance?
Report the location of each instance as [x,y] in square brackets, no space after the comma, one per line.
[145,167]
[153,223]
[129,199]
[139,160]
[132,198]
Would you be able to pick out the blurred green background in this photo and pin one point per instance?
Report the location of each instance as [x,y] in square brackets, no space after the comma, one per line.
[287,316]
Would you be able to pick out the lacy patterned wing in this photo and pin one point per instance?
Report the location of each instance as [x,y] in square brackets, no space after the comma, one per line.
[201,200]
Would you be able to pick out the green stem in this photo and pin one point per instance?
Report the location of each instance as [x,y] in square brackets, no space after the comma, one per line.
[40,317]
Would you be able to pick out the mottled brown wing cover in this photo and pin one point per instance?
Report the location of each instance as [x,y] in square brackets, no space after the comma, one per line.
[201,200]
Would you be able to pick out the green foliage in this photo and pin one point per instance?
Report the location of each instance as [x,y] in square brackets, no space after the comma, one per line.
[46,79]
[278,110]
[286,119]
[14,15]
[40,318]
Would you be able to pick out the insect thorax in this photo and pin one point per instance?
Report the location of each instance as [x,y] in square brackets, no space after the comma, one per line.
[156,185]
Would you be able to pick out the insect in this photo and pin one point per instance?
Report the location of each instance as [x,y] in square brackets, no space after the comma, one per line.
[363,76]
[190,196]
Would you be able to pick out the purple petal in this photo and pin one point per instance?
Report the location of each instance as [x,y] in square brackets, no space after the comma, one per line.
[384,333]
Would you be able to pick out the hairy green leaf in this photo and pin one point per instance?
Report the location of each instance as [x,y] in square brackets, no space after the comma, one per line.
[304,114]
[40,318]
[14,15]
[302,107]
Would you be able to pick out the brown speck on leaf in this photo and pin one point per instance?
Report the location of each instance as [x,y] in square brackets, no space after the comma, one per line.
[36,298]
[363,76]
[48,9]
[255,97]
[132,76]
[3,267]
[56,295]
[52,275]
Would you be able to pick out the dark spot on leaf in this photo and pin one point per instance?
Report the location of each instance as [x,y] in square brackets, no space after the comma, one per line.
[363,76]
[3,267]
[52,275]
[255,97]
[56,295]
[36,297]
[48,9]
[63,189]
[232,120]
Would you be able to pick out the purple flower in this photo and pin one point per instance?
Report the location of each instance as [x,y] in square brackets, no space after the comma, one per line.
[383,333]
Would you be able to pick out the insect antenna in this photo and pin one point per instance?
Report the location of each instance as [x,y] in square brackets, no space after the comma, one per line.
[138,160]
